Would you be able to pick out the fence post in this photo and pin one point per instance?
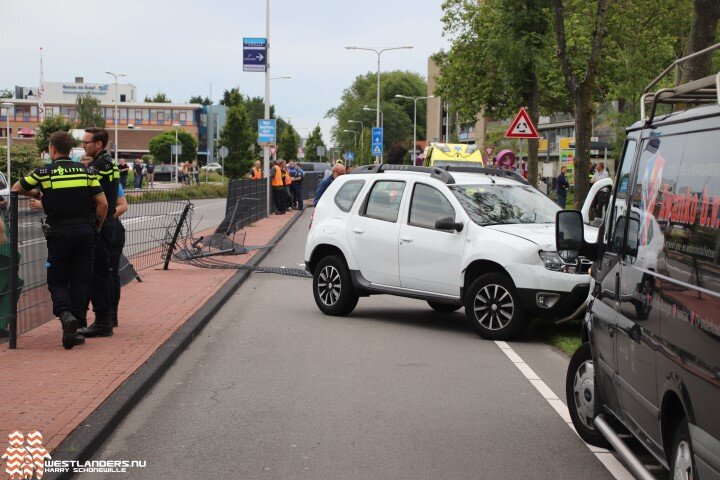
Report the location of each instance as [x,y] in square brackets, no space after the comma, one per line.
[13,225]
[178,229]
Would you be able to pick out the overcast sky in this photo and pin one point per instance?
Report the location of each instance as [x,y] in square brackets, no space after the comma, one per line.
[180,47]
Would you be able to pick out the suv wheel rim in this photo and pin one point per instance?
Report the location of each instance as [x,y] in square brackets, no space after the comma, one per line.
[584,393]
[683,462]
[329,285]
[494,307]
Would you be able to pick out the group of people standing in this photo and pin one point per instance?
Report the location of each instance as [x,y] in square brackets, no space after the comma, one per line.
[562,184]
[83,203]
[286,179]
[139,172]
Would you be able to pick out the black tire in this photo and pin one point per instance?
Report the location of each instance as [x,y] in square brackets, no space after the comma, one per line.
[485,313]
[582,399]
[682,458]
[444,307]
[333,289]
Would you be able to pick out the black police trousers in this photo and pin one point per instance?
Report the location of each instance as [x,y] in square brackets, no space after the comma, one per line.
[101,287]
[69,269]
[115,253]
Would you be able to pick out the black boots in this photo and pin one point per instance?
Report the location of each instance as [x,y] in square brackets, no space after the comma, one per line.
[70,338]
[102,327]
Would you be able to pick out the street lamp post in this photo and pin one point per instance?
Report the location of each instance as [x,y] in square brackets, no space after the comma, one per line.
[415,100]
[115,115]
[354,137]
[7,106]
[362,137]
[381,114]
[377,94]
[177,127]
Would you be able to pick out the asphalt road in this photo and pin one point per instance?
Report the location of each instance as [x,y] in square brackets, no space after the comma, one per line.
[272,388]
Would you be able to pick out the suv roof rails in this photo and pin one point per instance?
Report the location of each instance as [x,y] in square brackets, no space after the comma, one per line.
[704,90]
[495,172]
[434,172]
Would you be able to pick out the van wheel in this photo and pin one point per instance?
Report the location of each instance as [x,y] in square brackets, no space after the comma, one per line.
[493,309]
[332,287]
[581,395]
[682,463]
[444,307]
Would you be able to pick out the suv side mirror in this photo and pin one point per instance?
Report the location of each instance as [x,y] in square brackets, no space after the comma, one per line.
[569,233]
[448,223]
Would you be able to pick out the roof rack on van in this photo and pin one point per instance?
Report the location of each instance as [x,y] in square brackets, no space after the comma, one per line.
[704,90]
[495,172]
[434,172]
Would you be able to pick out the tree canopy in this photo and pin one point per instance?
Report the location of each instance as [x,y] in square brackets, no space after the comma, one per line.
[238,137]
[397,112]
[47,127]
[89,111]
[199,99]
[159,97]
[289,143]
[161,147]
[313,141]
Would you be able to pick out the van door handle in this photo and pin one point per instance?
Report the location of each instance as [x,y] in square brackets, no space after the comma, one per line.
[617,286]
[358,230]
[406,239]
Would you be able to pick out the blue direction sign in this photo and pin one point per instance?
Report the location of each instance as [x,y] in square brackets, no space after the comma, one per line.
[377,141]
[349,156]
[266,131]
[254,54]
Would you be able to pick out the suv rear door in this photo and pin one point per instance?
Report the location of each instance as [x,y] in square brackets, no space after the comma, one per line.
[430,259]
[374,231]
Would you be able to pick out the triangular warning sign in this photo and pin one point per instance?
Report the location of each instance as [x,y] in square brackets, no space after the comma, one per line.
[522,127]
[489,150]
[377,150]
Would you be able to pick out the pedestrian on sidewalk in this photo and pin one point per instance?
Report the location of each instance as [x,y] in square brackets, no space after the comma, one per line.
[287,179]
[138,171]
[116,249]
[124,169]
[68,229]
[256,173]
[150,170]
[600,173]
[562,187]
[297,174]
[95,140]
[278,188]
[337,170]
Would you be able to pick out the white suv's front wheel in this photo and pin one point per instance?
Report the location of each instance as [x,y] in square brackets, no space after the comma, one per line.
[332,287]
[493,309]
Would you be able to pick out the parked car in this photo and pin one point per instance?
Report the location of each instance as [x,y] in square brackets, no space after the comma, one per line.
[471,237]
[164,172]
[213,167]
[650,359]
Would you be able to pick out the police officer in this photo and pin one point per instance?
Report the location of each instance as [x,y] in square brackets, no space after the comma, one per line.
[75,205]
[94,141]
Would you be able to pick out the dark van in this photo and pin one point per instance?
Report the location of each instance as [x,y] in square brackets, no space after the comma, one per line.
[650,364]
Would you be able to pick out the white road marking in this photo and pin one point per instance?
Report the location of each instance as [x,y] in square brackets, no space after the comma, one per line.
[614,466]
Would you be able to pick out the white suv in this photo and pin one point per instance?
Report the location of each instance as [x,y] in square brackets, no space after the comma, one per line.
[473,237]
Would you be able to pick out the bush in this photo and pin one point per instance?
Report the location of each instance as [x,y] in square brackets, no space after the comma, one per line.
[187,192]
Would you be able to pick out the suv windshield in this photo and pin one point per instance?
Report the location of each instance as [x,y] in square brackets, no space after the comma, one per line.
[505,204]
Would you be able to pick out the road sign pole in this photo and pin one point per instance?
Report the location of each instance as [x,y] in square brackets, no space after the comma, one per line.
[266,148]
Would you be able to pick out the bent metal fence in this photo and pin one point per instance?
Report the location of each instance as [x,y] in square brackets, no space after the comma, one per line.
[24,298]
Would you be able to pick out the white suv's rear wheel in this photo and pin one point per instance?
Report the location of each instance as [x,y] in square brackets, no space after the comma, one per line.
[332,287]
[493,309]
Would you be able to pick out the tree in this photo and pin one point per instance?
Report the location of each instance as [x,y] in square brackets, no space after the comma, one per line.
[397,112]
[47,127]
[501,59]
[160,147]
[232,97]
[90,112]
[199,99]
[159,97]
[580,68]
[238,137]
[702,35]
[313,141]
[6,93]
[24,159]
[289,143]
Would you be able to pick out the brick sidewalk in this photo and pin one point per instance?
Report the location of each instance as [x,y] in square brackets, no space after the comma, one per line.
[47,388]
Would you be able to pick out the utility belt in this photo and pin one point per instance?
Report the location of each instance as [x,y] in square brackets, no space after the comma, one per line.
[51,224]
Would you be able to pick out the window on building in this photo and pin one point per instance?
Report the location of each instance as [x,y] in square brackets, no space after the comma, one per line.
[123,98]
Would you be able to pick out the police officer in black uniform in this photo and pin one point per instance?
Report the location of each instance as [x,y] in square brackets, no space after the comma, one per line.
[75,206]
[94,141]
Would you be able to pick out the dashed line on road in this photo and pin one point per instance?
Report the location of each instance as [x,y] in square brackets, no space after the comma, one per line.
[614,466]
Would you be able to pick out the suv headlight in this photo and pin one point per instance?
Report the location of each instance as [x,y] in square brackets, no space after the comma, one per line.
[552,261]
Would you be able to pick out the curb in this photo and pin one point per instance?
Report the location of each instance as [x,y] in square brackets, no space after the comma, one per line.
[87,438]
